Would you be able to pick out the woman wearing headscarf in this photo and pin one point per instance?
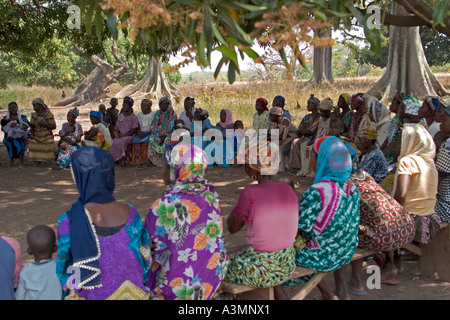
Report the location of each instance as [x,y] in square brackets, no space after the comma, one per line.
[226,123]
[328,215]
[99,133]
[41,144]
[428,111]
[72,116]
[287,132]
[280,102]
[186,231]
[162,126]
[16,132]
[103,247]
[372,159]
[325,107]
[380,116]
[385,226]
[127,126]
[261,116]
[344,102]
[307,130]
[416,180]
[269,209]
[361,116]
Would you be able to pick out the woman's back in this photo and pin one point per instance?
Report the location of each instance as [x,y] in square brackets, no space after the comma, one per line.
[271,211]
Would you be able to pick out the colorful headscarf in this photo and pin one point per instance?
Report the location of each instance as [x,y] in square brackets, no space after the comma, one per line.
[412,105]
[333,161]
[368,132]
[281,99]
[93,172]
[96,114]
[188,167]
[263,156]
[263,102]
[433,102]
[347,97]
[228,119]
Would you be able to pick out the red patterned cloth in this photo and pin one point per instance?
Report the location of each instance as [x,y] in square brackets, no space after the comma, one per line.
[384,224]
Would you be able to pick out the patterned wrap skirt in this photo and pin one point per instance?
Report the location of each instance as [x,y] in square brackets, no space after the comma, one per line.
[384,224]
[261,269]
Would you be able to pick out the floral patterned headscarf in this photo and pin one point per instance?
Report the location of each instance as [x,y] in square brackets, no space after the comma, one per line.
[188,167]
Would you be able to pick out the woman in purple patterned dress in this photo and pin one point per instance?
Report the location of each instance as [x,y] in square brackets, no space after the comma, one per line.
[103,247]
[185,227]
[127,126]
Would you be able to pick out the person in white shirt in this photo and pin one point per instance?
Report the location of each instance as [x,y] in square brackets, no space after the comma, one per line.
[139,152]
[188,114]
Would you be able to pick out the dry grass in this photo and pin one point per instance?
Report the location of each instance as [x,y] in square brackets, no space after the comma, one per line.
[239,97]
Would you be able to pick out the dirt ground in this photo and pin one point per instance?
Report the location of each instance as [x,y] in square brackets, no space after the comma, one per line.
[34,195]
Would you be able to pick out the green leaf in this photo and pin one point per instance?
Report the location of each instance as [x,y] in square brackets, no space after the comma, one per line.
[441,11]
[98,23]
[219,67]
[201,49]
[251,53]
[228,52]
[232,70]
[88,16]
[111,25]
[320,15]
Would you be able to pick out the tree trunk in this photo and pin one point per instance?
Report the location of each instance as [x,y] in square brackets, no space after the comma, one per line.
[154,84]
[322,71]
[95,85]
[407,70]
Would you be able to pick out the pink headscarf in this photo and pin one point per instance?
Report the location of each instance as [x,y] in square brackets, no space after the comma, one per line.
[228,120]
[263,102]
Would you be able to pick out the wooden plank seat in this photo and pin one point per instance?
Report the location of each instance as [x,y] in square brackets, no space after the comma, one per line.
[252,293]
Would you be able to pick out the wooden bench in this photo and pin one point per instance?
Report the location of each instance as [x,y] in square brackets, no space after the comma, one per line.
[435,256]
[252,293]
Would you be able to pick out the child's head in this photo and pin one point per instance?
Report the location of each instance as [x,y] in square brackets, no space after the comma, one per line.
[70,129]
[41,242]
[113,102]
[146,106]
[179,124]
[238,124]
[102,108]
[336,127]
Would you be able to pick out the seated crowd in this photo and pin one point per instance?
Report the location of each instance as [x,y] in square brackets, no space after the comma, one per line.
[380,183]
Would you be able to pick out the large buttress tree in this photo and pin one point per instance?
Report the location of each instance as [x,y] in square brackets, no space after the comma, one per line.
[407,69]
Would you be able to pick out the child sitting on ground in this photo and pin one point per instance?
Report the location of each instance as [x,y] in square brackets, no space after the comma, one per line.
[238,135]
[38,279]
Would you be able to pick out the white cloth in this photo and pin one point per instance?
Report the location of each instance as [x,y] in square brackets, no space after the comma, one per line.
[145,120]
[187,122]
[434,128]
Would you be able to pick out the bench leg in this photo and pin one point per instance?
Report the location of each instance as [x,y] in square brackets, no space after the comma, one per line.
[436,256]
[309,286]
[260,294]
